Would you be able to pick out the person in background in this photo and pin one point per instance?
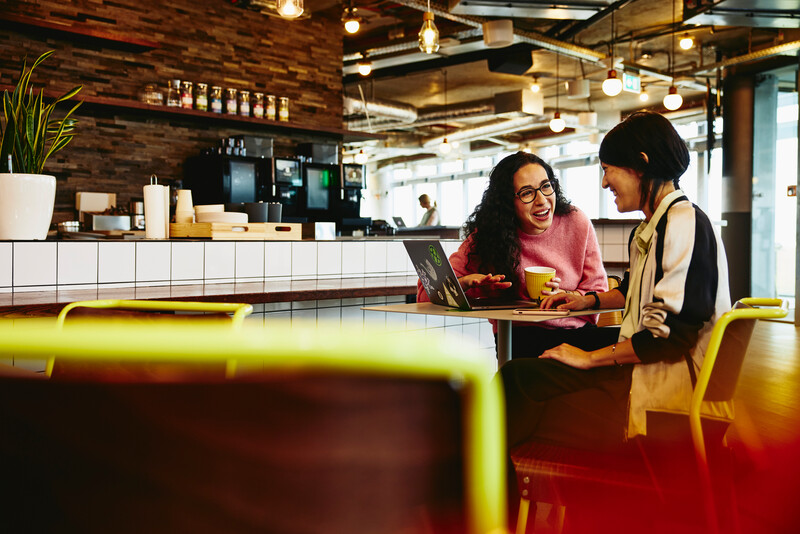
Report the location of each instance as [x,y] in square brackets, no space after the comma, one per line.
[525,220]
[675,291]
[431,216]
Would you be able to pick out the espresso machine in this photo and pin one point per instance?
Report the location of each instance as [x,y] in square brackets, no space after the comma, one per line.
[286,185]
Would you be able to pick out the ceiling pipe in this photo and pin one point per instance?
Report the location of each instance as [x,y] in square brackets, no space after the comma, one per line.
[403,113]
[746,58]
[543,41]
[488,129]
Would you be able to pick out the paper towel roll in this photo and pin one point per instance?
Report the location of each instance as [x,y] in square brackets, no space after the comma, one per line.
[166,212]
[155,207]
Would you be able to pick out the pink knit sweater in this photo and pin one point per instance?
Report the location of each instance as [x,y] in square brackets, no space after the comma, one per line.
[569,245]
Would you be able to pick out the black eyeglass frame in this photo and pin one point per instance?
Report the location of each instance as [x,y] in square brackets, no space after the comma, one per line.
[535,190]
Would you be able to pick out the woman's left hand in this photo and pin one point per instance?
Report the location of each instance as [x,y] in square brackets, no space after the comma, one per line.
[570,355]
[554,284]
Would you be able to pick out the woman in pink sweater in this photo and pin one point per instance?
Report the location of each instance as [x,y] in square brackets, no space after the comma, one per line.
[524,220]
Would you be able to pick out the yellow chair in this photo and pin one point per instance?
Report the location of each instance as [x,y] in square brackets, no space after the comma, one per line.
[319,431]
[141,309]
[652,475]
[613,318]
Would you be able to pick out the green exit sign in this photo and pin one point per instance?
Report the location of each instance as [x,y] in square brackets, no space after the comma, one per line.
[631,83]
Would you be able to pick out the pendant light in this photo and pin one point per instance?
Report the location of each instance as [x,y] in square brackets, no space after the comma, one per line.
[445,147]
[289,9]
[612,86]
[428,34]
[352,22]
[535,87]
[643,96]
[360,158]
[673,100]
[557,124]
[364,66]
[686,41]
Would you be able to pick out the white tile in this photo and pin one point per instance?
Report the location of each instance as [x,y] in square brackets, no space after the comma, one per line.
[598,231]
[352,259]
[187,260]
[277,259]
[434,321]
[304,317]
[34,264]
[116,262]
[397,261]
[249,259]
[352,316]
[304,305]
[153,261]
[614,252]
[220,258]
[77,263]
[277,306]
[304,259]
[329,316]
[6,264]
[450,246]
[375,257]
[614,235]
[329,258]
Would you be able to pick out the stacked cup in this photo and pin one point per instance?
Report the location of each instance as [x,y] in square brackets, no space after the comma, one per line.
[184,211]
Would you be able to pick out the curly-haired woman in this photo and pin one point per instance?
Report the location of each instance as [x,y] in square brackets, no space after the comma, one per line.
[523,220]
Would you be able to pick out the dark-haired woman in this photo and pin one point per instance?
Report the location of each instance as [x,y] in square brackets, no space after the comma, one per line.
[676,290]
[525,220]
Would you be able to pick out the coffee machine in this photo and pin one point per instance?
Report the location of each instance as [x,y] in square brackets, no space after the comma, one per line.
[286,187]
[347,202]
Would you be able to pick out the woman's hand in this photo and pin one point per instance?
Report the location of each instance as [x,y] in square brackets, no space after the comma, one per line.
[488,281]
[567,301]
[554,283]
[572,356]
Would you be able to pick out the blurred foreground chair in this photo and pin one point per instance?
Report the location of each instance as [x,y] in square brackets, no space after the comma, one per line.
[144,311]
[679,471]
[320,431]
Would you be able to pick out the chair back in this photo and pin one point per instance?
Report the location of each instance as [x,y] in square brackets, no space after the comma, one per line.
[319,431]
[611,318]
[723,379]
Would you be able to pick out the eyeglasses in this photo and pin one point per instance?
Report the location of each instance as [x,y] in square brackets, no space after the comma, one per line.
[528,194]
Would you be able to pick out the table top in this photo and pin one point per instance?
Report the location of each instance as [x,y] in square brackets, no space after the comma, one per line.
[429,308]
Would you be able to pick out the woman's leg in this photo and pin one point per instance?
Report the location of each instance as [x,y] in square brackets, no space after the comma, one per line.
[536,389]
[532,341]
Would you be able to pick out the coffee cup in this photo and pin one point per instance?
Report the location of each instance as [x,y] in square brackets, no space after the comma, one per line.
[535,280]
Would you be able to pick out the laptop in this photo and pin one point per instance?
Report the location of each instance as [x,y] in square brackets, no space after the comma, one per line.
[441,283]
[399,222]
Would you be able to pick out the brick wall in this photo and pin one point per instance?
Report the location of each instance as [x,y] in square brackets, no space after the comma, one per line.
[200,40]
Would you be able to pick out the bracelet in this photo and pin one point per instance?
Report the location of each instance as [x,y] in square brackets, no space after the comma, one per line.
[613,350]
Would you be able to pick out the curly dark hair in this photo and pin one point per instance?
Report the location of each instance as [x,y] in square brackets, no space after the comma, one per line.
[493,225]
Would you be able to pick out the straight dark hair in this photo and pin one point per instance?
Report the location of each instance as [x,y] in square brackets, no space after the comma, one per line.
[650,133]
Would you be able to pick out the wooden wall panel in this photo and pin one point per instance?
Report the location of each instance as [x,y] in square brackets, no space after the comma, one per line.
[200,40]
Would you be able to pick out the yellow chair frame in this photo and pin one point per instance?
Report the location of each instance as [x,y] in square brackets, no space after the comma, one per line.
[306,349]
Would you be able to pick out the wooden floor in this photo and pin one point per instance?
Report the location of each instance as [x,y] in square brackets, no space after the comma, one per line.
[766,431]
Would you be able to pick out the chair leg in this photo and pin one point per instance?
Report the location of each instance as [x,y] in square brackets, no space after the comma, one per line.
[561,513]
[522,516]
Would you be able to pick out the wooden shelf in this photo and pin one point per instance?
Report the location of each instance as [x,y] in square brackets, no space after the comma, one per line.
[221,119]
[103,37]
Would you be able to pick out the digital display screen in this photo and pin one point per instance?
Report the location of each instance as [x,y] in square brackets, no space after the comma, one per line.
[317,188]
[243,181]
[287,171]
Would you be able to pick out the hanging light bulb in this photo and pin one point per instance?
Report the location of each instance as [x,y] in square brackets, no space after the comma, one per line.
[643,96]
[535,87]
[364,67]
[352,22]
[360,158]
[445,147]
[557,124]
[289,9]
[686,41]
[673,100]
[428,34]
[612,85]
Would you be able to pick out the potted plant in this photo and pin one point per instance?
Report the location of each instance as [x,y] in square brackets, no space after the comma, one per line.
[28,137]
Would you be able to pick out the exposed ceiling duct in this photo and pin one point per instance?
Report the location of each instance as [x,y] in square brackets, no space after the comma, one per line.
[403,113]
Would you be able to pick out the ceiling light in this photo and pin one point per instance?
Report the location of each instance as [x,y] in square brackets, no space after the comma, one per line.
[612,85]
[364,67]
[445,147]
[673,100]
[428,34]
[686,42]
[557,124]
[535,87]
[360,158]
[289,9]
[352,22]
[643,96]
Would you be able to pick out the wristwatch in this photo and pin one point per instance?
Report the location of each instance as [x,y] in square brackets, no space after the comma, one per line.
[596,299]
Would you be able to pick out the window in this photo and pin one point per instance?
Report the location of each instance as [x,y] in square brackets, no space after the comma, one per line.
[451,208]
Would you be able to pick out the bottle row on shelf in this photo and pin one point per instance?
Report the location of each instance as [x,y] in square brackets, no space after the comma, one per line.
[231,101]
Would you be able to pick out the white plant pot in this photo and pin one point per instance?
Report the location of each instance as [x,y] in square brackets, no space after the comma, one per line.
[26,205]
